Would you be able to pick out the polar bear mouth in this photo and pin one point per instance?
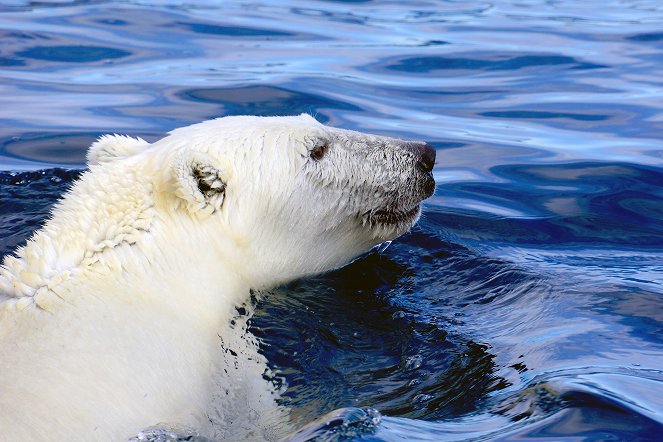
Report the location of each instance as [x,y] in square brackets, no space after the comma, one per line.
[392,217]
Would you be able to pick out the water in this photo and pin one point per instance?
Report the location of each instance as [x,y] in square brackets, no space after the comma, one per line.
[527,303]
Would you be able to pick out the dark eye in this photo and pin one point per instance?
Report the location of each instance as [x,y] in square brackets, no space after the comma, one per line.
[319,151]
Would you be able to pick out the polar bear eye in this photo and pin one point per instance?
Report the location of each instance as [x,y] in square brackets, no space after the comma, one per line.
[319,151]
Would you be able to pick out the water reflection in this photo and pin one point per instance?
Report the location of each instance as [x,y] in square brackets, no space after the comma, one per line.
[504,63]
[50,148]
[233,31]
[266,101]
[565,203]
[544,115]
[72,54]
[525,305]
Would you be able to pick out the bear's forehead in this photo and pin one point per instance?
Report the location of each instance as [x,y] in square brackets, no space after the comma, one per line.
[303,127]
[252,122]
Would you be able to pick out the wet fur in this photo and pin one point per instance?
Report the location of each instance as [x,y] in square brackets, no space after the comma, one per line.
[112,315]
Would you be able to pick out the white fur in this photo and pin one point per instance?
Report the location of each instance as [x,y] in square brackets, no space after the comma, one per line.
[112,312]
[110,147]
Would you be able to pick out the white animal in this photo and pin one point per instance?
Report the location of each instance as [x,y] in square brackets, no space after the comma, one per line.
[112,314]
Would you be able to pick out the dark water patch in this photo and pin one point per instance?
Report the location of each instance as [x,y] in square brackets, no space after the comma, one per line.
[608,203]
[574,403]
[349,1]
[331,15]
[591,416]
[266,101]
[4,61]
[26,199]
[434,43]
[438,394]
[442,145]
[51,181]
[311,12]
[465,93]
[233,31]
[552,410]
[648,37]
[22,35]
[434,98]
[429,64]
[594,174]
[26,5]
[538,115]
[383,332]
[112,22]
[49,148]
[73,53]
[450,277]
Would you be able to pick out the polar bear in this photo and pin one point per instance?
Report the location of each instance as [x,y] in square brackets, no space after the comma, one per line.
[111,314]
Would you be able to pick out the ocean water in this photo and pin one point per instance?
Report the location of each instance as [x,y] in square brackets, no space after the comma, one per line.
[527,304]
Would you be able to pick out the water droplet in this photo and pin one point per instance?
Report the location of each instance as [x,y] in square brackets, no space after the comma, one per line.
[414,362]
[382,247]
[421,398]
[398,315]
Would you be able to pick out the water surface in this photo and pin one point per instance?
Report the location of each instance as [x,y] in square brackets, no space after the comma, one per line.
[527,303]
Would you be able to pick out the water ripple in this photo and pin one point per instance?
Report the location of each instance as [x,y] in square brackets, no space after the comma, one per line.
[526,303]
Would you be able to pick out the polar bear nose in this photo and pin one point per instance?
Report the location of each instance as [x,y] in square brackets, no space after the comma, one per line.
[425,157]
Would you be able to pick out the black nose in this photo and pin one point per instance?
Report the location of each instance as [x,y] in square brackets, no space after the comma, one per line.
[426,157]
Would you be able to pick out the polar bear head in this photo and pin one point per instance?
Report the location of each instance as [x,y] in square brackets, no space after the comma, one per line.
[282,197]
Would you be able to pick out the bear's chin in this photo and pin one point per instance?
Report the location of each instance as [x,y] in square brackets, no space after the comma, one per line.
[391,216]
[392,219]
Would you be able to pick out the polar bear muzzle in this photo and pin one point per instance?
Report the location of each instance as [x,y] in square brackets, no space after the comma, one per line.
[389,178]
[399,210]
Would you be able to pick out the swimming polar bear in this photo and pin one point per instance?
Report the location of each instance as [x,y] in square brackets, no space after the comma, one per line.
[111,315]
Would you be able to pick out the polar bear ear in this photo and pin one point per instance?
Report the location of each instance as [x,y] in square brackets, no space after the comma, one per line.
[199,183]
[110,147]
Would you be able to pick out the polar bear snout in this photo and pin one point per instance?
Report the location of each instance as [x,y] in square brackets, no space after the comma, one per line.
[425,154]
[422,161]
[425,162]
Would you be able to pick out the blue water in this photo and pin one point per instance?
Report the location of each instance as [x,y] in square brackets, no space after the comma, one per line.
[528,302]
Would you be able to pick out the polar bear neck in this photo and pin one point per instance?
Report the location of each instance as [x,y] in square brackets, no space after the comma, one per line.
[99,229]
